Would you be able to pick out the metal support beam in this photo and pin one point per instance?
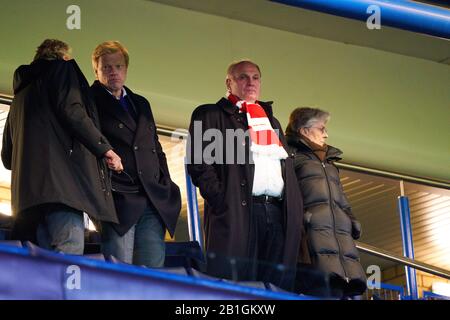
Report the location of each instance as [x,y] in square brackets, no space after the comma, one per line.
[402,14]
[193,215]
[408,247]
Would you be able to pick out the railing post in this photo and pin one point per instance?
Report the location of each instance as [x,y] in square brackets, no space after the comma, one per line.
[193,216]
[408,248]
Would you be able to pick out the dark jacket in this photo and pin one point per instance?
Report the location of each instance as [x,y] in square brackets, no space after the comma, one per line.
[227,188]
[329,223]
[51,142]
[142,157]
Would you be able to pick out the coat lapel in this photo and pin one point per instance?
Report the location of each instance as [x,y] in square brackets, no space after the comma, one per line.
[144,117]
[113,107]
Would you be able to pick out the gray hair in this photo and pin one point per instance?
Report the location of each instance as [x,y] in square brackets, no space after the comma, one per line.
[305,117]
[233,66]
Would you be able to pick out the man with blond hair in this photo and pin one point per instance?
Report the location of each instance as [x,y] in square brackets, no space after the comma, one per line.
[53,146]
[146,199]
[253,206]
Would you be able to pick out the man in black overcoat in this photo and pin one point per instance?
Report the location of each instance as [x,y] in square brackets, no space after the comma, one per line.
[253,207]
[53,146]
[147,201]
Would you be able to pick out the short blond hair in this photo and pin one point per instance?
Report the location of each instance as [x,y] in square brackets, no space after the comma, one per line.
[52,49]
[109,47]
[234,65]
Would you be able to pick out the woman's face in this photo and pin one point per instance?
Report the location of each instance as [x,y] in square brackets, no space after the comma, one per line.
[317,133]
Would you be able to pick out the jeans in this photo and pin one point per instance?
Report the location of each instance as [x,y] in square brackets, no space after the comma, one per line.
[143,244]
[61,230]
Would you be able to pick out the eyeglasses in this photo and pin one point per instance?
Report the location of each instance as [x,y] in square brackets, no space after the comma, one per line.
[322,129]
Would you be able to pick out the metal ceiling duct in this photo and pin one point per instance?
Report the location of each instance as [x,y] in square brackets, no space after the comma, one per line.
[402,14]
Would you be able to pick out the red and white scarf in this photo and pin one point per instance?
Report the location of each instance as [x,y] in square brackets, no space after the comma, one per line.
[264,139]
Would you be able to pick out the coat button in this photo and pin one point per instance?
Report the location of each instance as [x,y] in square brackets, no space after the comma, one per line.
[150,127]
[120,125]
[239,119]
[154,150]
[140,172]
[156,176]
[136,148]
[243,183]
[244,203]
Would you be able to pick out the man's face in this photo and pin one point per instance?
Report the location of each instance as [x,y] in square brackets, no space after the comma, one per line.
[245,82]
[112,71]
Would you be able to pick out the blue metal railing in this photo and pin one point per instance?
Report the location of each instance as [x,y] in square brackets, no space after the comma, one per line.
[195,230]
[139,280]
[378,291]
[196,234]
[408,247]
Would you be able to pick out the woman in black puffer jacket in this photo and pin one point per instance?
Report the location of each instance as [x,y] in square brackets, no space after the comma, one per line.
[329,223]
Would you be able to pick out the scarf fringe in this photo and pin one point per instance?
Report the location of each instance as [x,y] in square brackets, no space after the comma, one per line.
[272,151]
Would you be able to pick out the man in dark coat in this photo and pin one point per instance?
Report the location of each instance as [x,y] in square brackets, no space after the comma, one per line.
[55,151]
[146,199]
[253,207]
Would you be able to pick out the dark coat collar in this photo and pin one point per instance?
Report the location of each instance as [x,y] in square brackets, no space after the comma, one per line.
[230,108]
[333,153]
[107,103]
[111,105]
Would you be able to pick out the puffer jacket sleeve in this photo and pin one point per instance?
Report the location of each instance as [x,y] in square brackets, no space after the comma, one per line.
[356,225]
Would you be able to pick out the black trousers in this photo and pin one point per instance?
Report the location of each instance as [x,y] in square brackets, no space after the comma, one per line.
[266,242]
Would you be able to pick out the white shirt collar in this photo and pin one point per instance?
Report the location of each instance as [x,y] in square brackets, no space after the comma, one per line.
[124,93]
